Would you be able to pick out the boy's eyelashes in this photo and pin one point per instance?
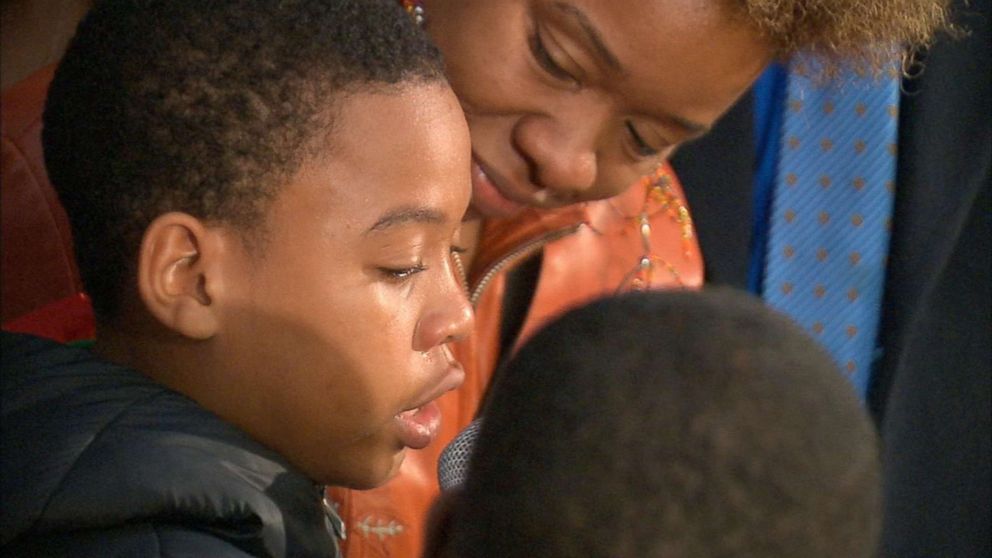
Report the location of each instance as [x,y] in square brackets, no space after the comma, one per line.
[642,148]
[402,273]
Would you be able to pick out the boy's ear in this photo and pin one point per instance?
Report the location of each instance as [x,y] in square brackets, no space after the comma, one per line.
[178,274]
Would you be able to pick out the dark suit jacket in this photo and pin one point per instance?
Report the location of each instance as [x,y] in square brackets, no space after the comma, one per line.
[931,392]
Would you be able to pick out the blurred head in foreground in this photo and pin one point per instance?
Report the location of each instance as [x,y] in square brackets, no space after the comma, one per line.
[668,425]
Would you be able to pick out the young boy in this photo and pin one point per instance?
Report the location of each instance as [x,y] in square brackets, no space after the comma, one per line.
[263,196]
[668,425]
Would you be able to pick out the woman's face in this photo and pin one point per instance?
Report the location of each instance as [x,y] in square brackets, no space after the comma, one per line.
[573,100]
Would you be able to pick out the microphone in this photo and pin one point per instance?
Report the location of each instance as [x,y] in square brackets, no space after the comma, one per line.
[452,467]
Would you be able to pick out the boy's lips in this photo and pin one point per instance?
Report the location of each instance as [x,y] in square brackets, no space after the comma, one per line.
[488,198]
[418,426]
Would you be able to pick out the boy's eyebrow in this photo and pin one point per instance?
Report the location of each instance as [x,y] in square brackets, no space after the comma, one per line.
[404,215]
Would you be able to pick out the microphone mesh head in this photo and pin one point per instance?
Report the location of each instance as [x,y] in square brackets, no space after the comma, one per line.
[453,465]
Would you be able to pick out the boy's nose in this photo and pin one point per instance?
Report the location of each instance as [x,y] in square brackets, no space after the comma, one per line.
[459,321]
[450,319]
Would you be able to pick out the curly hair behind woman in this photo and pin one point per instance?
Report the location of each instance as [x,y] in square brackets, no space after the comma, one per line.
[845,30]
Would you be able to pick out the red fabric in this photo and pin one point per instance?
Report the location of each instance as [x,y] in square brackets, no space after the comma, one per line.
[39,266]
[65,320]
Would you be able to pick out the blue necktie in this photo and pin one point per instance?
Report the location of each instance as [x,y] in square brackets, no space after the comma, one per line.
[831,211]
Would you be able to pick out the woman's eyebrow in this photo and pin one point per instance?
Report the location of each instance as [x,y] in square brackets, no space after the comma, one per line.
[408,214]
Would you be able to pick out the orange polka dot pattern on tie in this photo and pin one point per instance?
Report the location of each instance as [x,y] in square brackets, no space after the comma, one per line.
[834,195]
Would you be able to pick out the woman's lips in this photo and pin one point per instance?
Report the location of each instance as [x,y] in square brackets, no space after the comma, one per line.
[487,199]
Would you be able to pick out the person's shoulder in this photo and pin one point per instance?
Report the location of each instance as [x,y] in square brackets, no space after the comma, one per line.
[72,426]
[33,367]
[56,400]
[52,391]
[144,539]
[20,349]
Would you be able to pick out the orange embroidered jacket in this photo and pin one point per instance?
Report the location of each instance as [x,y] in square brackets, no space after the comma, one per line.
[590,250]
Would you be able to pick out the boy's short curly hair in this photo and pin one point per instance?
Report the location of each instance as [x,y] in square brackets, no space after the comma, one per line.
[845,31]
[676,425]
[205,108]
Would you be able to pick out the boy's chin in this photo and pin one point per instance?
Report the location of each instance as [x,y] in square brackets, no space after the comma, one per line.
[375,474]
[390,472]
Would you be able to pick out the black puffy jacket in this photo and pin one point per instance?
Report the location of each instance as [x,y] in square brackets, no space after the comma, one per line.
[98,460]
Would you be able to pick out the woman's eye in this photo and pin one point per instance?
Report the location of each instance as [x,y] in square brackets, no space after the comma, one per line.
[643,148]
[547,62]
[402,273]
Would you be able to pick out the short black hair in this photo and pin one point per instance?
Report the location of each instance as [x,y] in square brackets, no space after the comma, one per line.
[205,107]
[675,425]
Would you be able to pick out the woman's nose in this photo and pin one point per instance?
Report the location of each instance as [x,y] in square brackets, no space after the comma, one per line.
[561,148]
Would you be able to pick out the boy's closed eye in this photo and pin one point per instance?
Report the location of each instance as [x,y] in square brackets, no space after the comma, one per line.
[403,273]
